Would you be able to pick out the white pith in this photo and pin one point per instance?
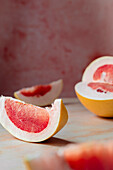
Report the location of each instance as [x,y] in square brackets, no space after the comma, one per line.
[82,87]
[54,113]
[84,90]
[46,99]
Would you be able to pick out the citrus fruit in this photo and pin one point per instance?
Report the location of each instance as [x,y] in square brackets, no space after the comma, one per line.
[90,156]
[95,91]
[41,95]
[32,123]
[86,156]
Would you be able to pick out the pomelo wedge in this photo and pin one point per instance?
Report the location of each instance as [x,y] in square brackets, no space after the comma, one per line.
[86,156]
[90,156]
[95,91]
[32,123]
[40,95]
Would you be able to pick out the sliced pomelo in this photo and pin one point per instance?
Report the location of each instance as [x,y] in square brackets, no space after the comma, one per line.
[86,156]
[95,91]
[41,95]
[32,123]
[90,156]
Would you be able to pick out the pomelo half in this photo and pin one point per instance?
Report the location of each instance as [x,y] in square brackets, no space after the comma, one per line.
[95,91]
[86,156]
[40,95]
[32,123]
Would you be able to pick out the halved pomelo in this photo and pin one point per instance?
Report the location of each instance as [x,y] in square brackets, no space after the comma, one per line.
[40,95]
[95,91]
[86,156]
[32,123]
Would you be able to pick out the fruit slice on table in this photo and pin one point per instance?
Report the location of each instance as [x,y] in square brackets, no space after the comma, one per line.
[95,91]
[32,123]
[90,156]
[41,95]
[86,156]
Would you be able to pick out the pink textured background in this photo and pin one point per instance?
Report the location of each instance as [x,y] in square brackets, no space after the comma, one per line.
[42,41]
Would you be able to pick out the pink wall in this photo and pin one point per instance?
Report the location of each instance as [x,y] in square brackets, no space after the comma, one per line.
[42,41]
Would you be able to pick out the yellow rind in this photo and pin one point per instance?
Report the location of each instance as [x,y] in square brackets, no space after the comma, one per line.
[103,108]
[63,117]
[27,164]
[62,121]
[16,96]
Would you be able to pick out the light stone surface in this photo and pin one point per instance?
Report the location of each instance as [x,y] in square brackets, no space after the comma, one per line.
[82,126]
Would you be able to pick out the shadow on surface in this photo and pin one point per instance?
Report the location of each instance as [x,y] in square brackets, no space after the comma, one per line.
[106,118]
[57,142]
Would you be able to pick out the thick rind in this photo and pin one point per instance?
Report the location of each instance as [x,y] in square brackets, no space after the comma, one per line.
[58,118]
[45,100]
[101,107]
[93,66]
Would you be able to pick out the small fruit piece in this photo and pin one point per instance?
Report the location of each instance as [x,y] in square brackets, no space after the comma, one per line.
[86,156]
[95,91]
[90,156]
[40,95]
[32,123]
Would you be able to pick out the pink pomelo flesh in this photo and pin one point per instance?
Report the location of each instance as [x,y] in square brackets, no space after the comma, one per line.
[107,70]
[101,87]
[27,117]
[104,74]
[97,156]
[39,90]
[85,156]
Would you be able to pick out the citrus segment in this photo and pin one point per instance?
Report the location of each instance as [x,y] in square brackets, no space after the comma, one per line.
[90,156]
[86,156]
[32,123]
[40,95]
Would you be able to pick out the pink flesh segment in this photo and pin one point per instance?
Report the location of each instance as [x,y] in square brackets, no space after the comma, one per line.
[104,74]
[39,90]
[27,117]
